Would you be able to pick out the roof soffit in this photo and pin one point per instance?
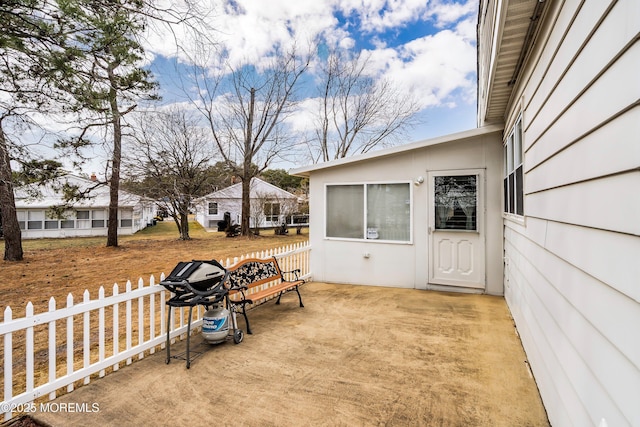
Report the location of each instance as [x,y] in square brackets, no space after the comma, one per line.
[515,23]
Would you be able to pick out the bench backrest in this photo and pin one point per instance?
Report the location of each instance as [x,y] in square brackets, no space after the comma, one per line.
[253,272]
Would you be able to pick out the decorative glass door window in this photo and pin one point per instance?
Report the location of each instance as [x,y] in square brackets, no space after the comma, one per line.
[456,199]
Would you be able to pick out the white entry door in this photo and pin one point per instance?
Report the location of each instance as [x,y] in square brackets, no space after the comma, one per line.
[456,235]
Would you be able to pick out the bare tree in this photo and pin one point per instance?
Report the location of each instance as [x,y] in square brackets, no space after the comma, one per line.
[169,162]
[246,109]
[357,112]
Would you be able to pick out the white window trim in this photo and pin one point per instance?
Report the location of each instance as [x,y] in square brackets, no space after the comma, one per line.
[512,129]
[209,208]
[364,239]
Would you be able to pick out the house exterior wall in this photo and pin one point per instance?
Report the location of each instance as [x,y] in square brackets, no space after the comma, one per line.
[572,276]
[33,212]
[233,206]
[230,200]
[35,224]
[405,264]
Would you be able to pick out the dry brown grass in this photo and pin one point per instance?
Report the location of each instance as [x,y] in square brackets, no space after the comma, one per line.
[57,267]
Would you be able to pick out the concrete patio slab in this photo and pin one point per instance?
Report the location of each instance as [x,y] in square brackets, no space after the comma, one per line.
[355,355]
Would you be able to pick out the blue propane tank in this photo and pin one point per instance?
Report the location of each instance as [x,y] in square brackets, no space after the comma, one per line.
[215,325]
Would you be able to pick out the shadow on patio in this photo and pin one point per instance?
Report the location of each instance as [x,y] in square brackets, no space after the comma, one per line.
[355,355]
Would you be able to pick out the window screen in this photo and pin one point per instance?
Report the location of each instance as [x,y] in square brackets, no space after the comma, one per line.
[345,211]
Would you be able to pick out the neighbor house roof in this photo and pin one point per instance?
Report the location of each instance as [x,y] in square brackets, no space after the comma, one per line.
[259,188]
[42,197]
[459,136]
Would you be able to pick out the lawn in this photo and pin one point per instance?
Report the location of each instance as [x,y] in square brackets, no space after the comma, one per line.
[57,267]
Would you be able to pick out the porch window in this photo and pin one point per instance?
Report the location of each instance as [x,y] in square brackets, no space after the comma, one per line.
[35,220]
[67,223]
[126,218]
[98,219]
[513,176]
[213,208]
[272,211]
[22,219]
[380,211]
[51,222]
[83,219]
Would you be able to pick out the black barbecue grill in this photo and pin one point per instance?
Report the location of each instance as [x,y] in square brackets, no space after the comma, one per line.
[196,283]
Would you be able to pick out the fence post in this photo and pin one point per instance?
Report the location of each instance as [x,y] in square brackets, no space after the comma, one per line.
[8,363]
[152,314]
[29,349]
[101,330]
[128,320]
[140,319]
[70,342]
[116,336]
[86,336]
[52,347]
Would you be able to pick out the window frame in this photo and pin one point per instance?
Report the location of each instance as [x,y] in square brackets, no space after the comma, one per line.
[513,172]
[99,219]
[35,219]
[269,216]
[211,205]
[364,238]
[125,218]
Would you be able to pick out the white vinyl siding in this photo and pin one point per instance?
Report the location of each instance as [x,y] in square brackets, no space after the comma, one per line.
[571,270]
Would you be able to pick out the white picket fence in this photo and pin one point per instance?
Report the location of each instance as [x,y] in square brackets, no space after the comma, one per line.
[80,341]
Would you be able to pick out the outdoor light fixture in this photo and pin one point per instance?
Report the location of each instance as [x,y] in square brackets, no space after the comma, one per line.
[419,180]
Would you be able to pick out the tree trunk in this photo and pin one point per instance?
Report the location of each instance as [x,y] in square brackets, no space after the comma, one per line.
[114,182]
[10,226]
[245,220]
[247,172]
[184,227]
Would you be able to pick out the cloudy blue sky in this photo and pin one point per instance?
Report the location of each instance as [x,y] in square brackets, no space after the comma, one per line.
[427,46]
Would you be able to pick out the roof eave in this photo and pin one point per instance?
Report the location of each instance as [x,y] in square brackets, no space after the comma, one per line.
[458,136]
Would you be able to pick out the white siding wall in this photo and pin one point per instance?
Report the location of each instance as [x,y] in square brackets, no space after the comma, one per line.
[140,216]
[572,267]
[233,206]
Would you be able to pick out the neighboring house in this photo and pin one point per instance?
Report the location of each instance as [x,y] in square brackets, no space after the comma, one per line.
[86,217]
[540,203]
[270,205]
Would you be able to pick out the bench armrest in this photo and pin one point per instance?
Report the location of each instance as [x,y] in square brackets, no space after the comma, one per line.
[294,272]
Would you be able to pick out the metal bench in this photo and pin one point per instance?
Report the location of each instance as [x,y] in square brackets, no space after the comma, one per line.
[253,280]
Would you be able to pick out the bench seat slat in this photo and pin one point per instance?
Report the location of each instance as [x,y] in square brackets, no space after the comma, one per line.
[264,293]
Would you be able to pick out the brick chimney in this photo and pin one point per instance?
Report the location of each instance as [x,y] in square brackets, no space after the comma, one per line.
[93,176]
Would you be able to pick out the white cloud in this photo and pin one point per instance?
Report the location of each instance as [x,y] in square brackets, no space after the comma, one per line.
[447,12]
[434,66]
[440,66]
[380,15]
